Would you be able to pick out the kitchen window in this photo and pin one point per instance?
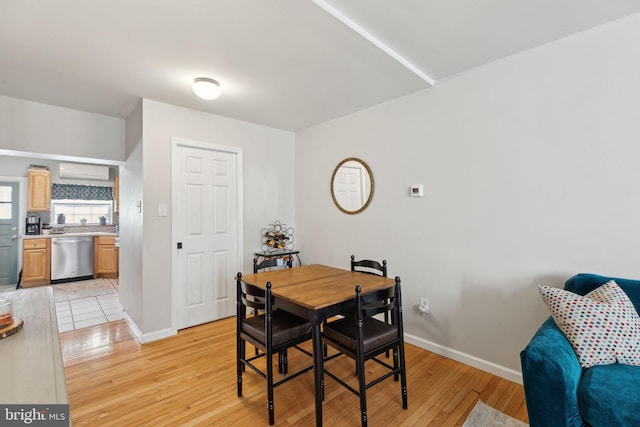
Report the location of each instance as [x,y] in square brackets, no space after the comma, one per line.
[76,210]
[5,202]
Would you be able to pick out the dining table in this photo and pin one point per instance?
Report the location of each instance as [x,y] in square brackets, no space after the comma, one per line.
[317,292]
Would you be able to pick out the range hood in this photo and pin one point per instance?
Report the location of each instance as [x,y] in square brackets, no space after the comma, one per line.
[84,171]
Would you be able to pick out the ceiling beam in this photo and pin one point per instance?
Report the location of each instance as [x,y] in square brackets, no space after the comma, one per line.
[373,40]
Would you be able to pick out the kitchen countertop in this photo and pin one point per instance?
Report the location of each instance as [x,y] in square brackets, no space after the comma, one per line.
[86,233]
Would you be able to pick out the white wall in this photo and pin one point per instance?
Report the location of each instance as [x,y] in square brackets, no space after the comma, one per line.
[131,225]
[143,142]
[530,171]
[40,128]
[268,156]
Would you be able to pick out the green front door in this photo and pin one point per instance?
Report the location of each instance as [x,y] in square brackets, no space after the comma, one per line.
[8,233]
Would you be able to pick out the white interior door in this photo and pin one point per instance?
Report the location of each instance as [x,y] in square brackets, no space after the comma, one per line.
[207,227]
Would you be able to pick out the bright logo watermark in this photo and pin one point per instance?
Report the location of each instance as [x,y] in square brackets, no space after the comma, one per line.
[35,415]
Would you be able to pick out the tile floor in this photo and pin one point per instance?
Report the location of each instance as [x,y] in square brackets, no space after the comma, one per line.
[89,311]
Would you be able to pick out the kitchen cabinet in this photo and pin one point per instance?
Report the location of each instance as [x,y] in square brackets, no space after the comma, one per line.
[39,190]
[36,262]
[105,256]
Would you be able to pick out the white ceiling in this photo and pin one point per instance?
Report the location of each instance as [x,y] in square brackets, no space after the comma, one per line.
[287,64]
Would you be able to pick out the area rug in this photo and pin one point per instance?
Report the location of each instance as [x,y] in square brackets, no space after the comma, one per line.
[82,289]
[484,415]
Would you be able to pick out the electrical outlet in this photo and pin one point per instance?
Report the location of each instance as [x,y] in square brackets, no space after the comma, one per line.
[425,305]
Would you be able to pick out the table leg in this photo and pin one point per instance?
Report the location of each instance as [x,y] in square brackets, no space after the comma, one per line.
[317,371]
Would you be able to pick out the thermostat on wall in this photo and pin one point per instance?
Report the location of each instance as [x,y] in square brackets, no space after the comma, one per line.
[416,191]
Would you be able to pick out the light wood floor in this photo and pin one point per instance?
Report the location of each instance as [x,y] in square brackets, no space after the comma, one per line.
[190,380]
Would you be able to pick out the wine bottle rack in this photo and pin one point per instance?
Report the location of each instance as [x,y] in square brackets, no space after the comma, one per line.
[277,237]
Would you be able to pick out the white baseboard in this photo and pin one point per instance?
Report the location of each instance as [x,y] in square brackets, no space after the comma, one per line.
[149,337]
[492,368]
[158,335]
[136,331]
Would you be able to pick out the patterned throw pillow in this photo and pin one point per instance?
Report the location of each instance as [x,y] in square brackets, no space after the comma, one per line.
[603,326]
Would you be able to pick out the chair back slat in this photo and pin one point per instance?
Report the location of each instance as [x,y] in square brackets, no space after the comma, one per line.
[279,262]
[252,296]
[378,302]
[369,266]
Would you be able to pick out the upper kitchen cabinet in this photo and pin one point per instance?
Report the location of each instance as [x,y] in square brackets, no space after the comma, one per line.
[39,190]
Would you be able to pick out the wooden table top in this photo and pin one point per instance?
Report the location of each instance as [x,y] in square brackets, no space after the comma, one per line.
[317,286]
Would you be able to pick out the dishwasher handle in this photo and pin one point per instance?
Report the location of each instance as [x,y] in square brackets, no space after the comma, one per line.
[66,240]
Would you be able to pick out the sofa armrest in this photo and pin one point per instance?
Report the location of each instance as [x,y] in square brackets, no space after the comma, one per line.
[551,374]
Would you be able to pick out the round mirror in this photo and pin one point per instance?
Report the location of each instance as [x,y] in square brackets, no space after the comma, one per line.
[352,186]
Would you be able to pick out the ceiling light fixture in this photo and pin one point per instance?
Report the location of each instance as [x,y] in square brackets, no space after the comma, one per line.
[206,88]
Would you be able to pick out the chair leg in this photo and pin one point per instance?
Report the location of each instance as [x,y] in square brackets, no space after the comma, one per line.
[243,354]
[362,392]
[403,376]
[322,371]
[239,364]
[270,386]
[285,362]
[395,363]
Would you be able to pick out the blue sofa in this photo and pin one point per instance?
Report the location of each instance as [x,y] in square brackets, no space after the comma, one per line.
[559,392]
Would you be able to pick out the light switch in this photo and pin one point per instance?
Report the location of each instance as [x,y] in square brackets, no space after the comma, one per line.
[162,209]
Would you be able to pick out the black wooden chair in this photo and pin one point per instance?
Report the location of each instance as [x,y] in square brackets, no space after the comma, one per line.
[371,267]
[271,263]
[272,332]
[363,337]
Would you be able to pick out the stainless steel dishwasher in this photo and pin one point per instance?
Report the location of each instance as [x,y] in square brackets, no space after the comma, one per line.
[71,257]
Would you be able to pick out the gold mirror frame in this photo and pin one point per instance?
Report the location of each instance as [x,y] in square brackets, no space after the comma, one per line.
[371,185]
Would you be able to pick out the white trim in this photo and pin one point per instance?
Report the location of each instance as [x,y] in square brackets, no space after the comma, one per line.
[134,328]
[175,143]
[467,359]
[32,155]
[157,335]
[373,40]
[146,338]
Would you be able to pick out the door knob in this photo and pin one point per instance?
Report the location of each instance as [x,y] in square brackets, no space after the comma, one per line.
[14,237]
